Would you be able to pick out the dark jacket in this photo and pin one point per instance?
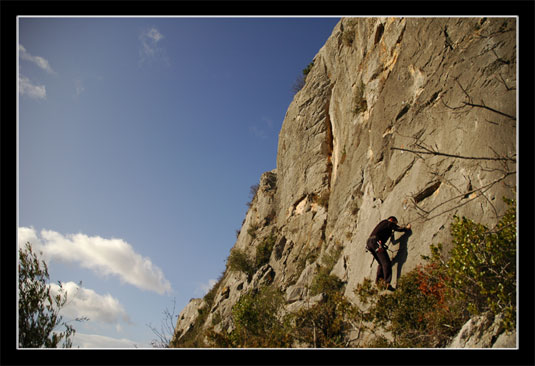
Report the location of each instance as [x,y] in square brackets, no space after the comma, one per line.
[385,229]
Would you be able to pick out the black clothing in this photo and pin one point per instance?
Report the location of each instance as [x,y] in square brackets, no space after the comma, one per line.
[376,244]
[383,231]
[384,270]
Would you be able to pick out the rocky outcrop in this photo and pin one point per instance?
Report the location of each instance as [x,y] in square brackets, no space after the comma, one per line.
[411,117]
[484,331]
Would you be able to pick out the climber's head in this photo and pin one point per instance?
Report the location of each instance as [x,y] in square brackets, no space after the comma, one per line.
[393,219]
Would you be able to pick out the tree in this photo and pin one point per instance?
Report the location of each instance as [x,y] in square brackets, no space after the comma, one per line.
[164,335]
[38,308]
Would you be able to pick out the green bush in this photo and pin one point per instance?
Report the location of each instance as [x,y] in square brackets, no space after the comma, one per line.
[482,265]
[210,295]
[257,322]
[324,282]
[349,32]
[239,262]
[253,190]
[307,69]
[359,102]
[418,314]
[326,323]
[253,228]
[263,251]
[301,79]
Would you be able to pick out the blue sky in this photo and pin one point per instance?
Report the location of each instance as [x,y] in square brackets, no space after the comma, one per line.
[139,139]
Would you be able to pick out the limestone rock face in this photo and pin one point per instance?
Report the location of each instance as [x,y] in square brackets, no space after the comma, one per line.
[483,332]
[411,117]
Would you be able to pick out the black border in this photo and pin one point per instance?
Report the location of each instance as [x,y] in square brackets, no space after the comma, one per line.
[525,11]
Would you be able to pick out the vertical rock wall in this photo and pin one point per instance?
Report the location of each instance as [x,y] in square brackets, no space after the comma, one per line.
[411,117]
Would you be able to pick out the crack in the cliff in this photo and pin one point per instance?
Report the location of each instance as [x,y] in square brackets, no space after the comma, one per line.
[379,33]
[447,40]
[403,111]
[400,38]
[426,192]
[329,140]
[329,136]
[402,175]
[430,102]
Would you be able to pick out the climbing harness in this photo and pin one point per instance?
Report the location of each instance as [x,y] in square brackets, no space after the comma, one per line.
[380,245]
[379,248]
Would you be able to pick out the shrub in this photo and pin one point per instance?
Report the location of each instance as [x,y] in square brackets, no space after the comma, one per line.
[253,227]
[263,251]
[270,181]
[307,69]
[359,102]
[210,295]
[301,79]
[348,33]
[301,263]
[348,37]
[416,314]
[257,322]
[238,261]
[482,265]
[253,190]
[325,324]
[330,258]
[298,84]
[324,282]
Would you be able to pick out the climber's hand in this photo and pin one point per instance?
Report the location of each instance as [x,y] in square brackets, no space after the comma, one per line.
[408,227]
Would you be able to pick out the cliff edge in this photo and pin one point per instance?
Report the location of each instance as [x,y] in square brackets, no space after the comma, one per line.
[411,117]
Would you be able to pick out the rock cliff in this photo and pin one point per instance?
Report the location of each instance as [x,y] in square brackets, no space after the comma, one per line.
[411,117]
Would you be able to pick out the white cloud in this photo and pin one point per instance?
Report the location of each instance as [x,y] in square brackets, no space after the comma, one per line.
[33,91]
[150,50]
[83,302]
[103,256]
[39,61]
[98,341]
[28,235]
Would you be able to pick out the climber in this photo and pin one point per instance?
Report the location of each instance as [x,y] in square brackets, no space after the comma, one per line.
[376,244]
